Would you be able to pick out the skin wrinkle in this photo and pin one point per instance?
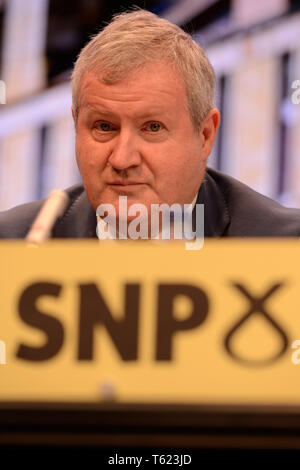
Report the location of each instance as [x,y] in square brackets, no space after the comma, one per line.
[155,72]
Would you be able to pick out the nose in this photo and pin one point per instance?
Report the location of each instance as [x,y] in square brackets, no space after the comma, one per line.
[125,152]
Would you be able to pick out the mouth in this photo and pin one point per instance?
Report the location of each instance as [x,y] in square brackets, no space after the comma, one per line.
[126,183]
[128,186]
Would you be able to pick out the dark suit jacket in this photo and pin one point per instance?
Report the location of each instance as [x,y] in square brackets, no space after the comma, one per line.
[231,209]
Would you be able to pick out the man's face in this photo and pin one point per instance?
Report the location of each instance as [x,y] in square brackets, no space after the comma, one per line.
[135,138]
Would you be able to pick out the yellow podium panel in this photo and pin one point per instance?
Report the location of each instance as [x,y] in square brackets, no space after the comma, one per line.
[151,322]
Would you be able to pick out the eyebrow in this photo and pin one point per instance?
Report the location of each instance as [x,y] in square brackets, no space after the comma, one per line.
[90,109]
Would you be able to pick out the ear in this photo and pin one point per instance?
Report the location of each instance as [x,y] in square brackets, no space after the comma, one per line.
[208,131]
[74,118]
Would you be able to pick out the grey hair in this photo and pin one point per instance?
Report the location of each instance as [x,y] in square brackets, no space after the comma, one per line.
[135,38]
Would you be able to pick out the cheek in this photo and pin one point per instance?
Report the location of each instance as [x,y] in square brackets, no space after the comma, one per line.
[181,168]
[174,166]
[169,176]
[193,160]
[90,155]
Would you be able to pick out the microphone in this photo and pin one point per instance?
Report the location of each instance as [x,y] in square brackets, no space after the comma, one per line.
[54,206]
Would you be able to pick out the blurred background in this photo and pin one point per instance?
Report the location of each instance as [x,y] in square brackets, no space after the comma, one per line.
[254,46]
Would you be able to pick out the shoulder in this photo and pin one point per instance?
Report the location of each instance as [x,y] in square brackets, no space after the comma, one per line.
[16,222]
[253,214]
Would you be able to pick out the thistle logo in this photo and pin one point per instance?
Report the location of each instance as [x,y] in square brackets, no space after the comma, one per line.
[2,92]
[2,352]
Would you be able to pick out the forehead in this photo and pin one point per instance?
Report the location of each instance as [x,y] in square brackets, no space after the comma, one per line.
[155,84]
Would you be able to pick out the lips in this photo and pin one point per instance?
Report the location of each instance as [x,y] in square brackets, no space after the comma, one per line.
[127,183]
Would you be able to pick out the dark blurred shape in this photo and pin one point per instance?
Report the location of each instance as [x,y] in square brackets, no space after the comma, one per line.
[1,33]
[71,24]
[214,13]
[294,5]
[283,137]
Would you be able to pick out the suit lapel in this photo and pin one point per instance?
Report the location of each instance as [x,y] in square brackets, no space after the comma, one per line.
[79,221]
[216,214]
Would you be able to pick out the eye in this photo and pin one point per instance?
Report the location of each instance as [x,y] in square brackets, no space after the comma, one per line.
[103,126]
[154,126]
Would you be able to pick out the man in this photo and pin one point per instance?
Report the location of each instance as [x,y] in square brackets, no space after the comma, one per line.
[143,109]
